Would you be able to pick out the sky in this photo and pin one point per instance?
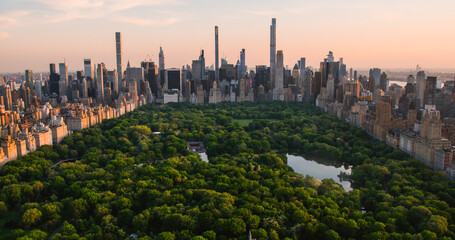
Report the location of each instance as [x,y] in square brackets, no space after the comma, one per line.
[373,33]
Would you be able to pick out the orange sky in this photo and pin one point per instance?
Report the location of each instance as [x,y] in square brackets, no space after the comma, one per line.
[385,34]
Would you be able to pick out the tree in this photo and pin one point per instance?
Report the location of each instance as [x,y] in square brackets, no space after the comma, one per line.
[31,217]
[166,236]
[437,224]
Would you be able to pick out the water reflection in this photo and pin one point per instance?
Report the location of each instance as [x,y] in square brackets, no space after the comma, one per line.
[319,169]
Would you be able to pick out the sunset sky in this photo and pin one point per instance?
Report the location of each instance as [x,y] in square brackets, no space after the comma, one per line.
[373,33]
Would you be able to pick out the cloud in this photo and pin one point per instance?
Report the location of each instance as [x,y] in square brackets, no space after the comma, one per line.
[10,17]
[6,21]
[147,22]
[63,10]
[56,11]
[4,35]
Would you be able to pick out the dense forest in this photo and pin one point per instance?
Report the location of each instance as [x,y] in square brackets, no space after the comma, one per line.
[133,175]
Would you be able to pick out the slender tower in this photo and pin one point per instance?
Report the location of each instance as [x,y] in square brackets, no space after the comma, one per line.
[217,74]
[302,65]
[161,60]
[273,51]
[242,64]
[100,83]
[279,76]
[118,48]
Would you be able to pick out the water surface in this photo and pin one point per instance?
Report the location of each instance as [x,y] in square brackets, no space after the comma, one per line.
[319,169]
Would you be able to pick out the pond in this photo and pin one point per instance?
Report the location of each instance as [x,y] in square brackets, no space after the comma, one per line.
[319,169]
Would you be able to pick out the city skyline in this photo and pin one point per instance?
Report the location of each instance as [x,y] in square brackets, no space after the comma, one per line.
[402,37]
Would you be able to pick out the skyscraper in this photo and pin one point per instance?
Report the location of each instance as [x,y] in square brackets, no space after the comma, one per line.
[52,68]
[420,88]
[202,60]
[273,50]
[196,72]
[384,82]
[38,87]
[113,80]
[430,90]
[118,48]
[136,73]
[376,73]
[29,79]
[54,79]
[161,60]
[242,69]
[88,69]
[173,79]
[63,82]
[217,73]
[99,83]
[279,78]
[5,91]
[84,88]
[302,66]
[308,86]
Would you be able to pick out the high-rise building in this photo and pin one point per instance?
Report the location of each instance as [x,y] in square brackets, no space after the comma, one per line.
[38,87]
[99,83]
[29,78]
[279,78]
[420,88]
[112,78]
[302,67]
[63,82]
[118,48]
[308,86]
[242,70]
[161,60]
[173,79]
[273,51]
[5,92]
[150,75]
[217,69]
[196,71]
[89,71]
[384,82]
[54,79]
[330,67]
[383,112]
[376,74]
[136,73]
[430,90]
[202,60]
[84,88]
[52,68]
[26,96]
[261,78]
[411,79]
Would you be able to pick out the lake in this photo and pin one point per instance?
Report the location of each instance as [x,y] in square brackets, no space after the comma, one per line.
[318,170]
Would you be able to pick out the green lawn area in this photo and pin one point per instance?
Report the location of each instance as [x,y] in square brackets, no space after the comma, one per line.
[245,122]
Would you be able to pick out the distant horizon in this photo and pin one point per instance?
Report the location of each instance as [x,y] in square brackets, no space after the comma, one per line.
[396,70]
[391,34]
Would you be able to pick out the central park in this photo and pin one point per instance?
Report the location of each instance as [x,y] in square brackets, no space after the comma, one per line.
[134,177]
